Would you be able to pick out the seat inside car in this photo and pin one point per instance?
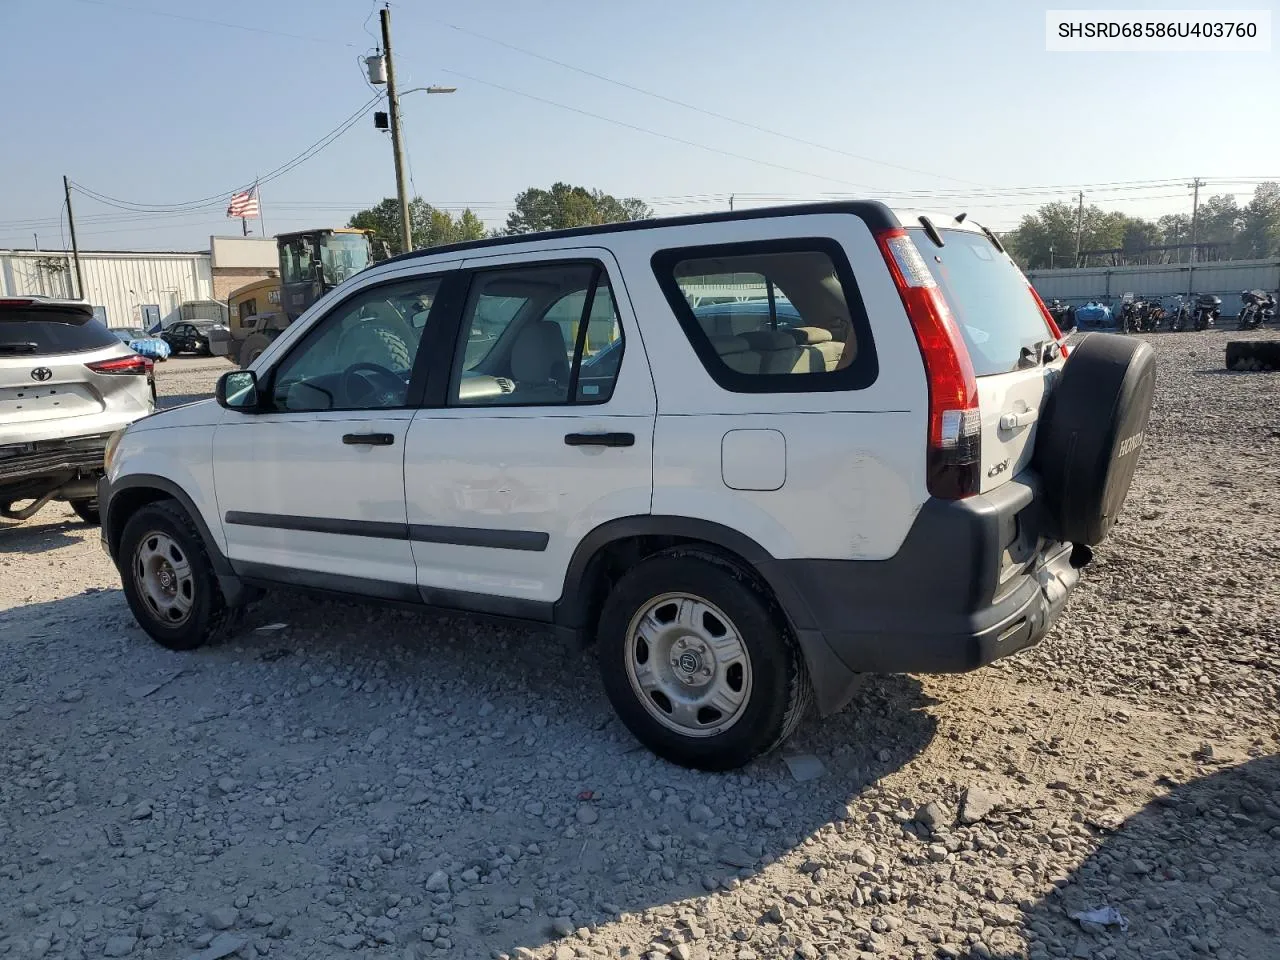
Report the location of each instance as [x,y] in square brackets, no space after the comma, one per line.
[820,341]
[539,360]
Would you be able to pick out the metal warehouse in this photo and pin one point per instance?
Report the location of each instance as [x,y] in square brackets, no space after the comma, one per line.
[1226,278]
[128,289]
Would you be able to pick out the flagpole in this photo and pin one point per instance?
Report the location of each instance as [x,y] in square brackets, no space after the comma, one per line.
[261,224]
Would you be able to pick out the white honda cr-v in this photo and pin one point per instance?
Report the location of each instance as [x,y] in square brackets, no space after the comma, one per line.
[752,455]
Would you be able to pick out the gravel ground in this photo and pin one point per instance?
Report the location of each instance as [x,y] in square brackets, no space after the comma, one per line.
[341,780]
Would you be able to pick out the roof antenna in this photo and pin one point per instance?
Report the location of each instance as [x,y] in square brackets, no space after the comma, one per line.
[960,218]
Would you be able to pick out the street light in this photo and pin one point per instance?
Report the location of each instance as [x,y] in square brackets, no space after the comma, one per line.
[434,88]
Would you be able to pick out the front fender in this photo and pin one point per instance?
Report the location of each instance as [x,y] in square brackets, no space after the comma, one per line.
[178,461]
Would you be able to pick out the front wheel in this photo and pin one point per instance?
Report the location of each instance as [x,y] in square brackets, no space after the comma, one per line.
[168,579]
[698,663]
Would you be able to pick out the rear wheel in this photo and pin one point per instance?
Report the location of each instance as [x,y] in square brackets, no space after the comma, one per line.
[87,510]
[168,580]
[697,662]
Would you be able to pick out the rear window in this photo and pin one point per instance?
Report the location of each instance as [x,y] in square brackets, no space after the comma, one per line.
[46,330]
[989,297]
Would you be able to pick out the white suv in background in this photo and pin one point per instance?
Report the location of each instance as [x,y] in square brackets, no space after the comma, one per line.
[753,455]
[67,384]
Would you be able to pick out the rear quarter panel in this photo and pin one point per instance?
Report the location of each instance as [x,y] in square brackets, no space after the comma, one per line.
[855,460]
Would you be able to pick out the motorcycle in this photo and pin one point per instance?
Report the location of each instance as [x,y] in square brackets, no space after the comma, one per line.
[1140,316]
[1259,308]
[1208,310]
[1150,316]
[1179,313]
[1127,320]
[1063,315]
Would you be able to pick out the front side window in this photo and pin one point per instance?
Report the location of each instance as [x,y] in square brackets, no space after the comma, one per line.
[361,355]
[774,316]
[538,335]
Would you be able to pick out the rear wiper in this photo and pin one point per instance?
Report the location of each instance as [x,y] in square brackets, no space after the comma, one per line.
[19,347]
[1038,354]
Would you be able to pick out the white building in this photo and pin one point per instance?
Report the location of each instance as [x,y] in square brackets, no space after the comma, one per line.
[139,288]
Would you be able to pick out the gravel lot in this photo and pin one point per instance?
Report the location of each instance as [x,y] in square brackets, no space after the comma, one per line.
[341,780]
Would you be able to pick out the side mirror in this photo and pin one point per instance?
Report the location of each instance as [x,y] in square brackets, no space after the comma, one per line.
[238,390]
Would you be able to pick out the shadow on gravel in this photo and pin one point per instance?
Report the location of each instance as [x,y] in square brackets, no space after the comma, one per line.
[1196,872]
[33,536]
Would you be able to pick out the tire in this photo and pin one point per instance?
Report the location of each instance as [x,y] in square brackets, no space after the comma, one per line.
[1091,435]
[373,342]
[206,610]
[1253,355]
[770,671]
[87,510]
[252,348]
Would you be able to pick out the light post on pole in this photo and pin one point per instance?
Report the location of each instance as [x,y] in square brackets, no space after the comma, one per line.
[382,70]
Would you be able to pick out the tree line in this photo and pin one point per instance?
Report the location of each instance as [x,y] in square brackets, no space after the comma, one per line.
[558,208]
[1224,231]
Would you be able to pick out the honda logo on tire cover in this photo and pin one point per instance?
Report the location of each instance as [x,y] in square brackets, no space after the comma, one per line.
[1131,444]
[41,374]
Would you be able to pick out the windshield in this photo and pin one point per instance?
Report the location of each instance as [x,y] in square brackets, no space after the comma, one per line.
[343,255]
[989,297]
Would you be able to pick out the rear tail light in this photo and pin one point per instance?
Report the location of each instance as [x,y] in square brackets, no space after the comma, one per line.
[955,423]
[15,302]
[135,365]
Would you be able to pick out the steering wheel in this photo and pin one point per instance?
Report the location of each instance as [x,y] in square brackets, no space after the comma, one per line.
[371,384]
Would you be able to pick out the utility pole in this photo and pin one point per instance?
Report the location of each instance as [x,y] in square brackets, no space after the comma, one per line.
[393,111]
[1195,215]
[1079,225]
[75,250]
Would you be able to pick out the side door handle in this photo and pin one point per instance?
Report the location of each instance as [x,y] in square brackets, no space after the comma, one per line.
[369,439]
[600,439]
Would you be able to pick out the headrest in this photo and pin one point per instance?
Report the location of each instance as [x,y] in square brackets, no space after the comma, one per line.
[770,340]
[810,335]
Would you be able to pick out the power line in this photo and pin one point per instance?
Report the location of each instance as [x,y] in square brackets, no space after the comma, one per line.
[218,198]
[702,110]
[654,133]
[213,23]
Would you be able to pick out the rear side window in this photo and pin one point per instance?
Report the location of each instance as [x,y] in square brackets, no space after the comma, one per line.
[989,297]
[777,316]
[44,330]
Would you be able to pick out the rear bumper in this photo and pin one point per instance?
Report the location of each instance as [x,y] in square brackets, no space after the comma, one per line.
[47,462]
[972,582]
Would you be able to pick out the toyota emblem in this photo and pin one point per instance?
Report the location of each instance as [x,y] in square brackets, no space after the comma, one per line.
[41,374]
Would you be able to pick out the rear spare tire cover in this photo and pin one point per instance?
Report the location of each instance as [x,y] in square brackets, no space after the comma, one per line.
[1092,432]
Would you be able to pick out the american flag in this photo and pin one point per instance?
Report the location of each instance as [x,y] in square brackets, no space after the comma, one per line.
[244,205]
